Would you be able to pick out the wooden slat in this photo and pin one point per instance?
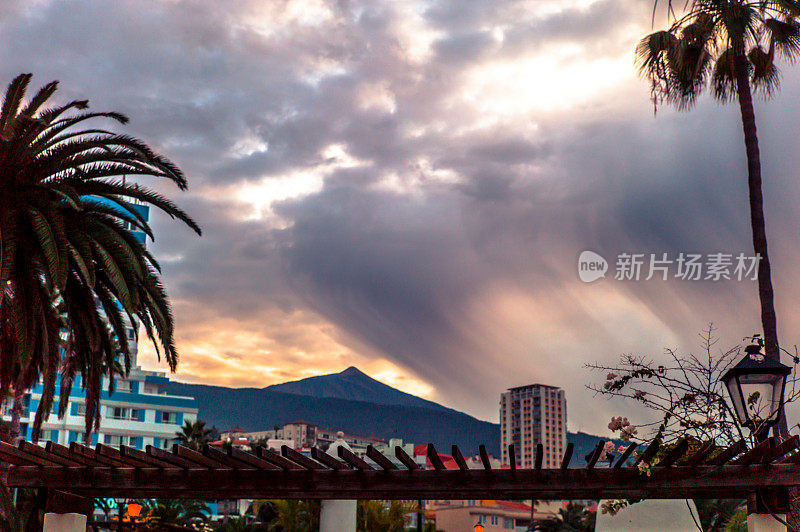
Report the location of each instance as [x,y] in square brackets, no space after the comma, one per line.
[251,459]
[300,458]
[407,461]
[131,452]
[755,454]
[674,454]
[625,455]
[63,452]
[12,455]
[33,449]
[539,456]
[785,447]
[114,454]
[377,457]
[701,454]
[459,458]
[487,465]
[595,456]
[648,453]
[193,456]
[349,457]
[433,458]
[166,456]
[276,459]
[567,455]
[223,458]
[328,460]
[512,457]
[83,451]
[728,454]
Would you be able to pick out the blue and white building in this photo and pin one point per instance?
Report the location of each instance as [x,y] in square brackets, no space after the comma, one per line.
[137,414]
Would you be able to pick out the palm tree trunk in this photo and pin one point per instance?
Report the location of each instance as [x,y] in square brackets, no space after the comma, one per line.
[769,320]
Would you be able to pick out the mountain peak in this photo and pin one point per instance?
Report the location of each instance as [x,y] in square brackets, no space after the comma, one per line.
[353,371]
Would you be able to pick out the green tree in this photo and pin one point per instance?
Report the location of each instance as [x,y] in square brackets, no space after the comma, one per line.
[572,518]
[376,516]
[729,46]
[288,515]
[66,210]
[194,434]
[159,514]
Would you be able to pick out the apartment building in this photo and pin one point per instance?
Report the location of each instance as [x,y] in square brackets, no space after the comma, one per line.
[530,415]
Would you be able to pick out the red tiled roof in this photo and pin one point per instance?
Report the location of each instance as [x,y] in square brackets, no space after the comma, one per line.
[448,461]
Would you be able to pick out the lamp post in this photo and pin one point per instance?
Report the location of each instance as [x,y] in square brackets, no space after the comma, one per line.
[478,527]
[756,386]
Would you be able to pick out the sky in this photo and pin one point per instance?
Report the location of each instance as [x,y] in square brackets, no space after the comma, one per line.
[406,186]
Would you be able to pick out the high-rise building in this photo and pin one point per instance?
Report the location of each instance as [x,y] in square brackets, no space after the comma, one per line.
[138,413]
[530,415]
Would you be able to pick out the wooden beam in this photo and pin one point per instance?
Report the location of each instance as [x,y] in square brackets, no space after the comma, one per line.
[459,458]
[300,458]
[348,456]
[729,453]
[116,456]
[27,447]
[64,452]
[165,456]
[487,465]
[223,458]
[674,454]
[567,455]
[378,457]
[595,456]
[132,452]
[539,456]
[756,454]
[328,460]
[434,458]
[727,481]
[12,455]
[625,455]
[251,459]
[193,456]
[701,454]
[405,459]
[276,459]
[512,456]
[648,453]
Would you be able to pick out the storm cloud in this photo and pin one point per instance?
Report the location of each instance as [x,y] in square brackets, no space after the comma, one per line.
[406,186]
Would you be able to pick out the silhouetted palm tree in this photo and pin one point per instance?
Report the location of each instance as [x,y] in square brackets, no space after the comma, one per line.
[729,46]
[194,435]
[66,212]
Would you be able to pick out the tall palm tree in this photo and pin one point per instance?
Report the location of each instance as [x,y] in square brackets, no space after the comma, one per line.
[66,211]
[194,434]
[730,47]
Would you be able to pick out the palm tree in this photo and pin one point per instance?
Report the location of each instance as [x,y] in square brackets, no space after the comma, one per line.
[66,211]
[160,514]
[572,518]
[194,435]
[288,515]
[375,516]
[730,47]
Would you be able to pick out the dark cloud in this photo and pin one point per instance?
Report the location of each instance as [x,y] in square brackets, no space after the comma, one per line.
[409,188]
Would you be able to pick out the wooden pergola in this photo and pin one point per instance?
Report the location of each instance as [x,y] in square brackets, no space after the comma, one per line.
[66,476]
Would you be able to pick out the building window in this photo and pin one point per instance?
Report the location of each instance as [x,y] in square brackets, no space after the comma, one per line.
[508,523]
[495,520]
[122,386]
[169,418]
[482,519]
[118,439]
[118,412]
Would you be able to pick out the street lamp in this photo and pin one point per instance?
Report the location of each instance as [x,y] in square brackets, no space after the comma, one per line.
[478,527]
[134,509]
[756,385]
